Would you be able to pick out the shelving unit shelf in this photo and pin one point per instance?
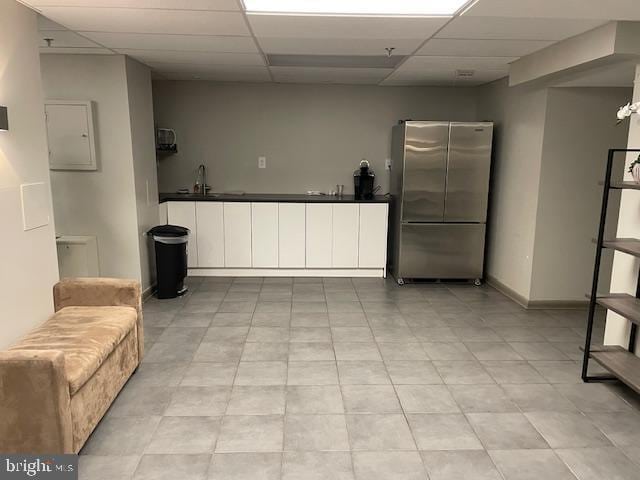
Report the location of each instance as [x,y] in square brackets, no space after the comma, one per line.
[623,364]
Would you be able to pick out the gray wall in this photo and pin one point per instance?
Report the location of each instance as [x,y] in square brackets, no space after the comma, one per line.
[313,136]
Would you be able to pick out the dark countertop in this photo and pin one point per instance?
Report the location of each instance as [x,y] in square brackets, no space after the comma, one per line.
[268,197]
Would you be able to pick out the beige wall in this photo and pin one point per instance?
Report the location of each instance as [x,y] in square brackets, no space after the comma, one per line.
[102,202]
[313,136]
[29,265]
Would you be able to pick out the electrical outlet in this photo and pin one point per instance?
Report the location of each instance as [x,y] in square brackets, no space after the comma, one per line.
[387,164]
[262,162]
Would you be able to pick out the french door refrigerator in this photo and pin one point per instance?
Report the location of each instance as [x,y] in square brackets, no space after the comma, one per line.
[439,186]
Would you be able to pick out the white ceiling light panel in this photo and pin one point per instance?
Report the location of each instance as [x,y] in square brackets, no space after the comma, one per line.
[228,5]
[357,7]
[194,58]
[481,47]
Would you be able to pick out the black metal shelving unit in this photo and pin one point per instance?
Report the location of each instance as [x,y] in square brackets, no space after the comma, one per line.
[622,363]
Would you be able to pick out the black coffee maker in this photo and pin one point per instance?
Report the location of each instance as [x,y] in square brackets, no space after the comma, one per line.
[363,181]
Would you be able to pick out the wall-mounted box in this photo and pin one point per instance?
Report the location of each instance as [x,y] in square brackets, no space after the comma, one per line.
[4,118]
[71,135]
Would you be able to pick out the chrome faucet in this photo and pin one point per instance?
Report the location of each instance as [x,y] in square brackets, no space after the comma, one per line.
[202,175]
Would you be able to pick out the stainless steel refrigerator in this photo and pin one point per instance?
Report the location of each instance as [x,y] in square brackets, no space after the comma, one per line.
[440,185]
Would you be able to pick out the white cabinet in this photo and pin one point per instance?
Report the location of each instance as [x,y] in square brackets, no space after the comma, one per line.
[237,235]
[345,235]
[183,214]
[210,234]
[70,135]
[264,235]
[373,235]
[291,233]
[319,235]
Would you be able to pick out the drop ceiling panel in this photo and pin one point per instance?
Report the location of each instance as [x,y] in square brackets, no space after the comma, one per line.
[329,75]
[441,78]
[336,46]
[75,50]
[130,20]
[193,43]
[481,48]
[45,24]
[515,28]
[194,58]
[240,73]
[320,27]
[65,38]
[258,77]
[453,63]
[593,9]
[168,4]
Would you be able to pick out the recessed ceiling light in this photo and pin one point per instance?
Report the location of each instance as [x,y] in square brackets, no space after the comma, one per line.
[357,7]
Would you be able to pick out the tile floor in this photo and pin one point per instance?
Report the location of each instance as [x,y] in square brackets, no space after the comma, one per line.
[359,379]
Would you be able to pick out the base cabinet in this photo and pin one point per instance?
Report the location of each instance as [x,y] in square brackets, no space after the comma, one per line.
[372,238]
[345,227]
[319,234]
[291,235]
[264,235]
[210,234]
[237,235]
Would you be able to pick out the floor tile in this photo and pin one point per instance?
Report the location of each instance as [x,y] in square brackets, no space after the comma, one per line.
[593,397]
[599,464]
[370,399]
[314,399]
[315,433]
[169,467]
[362,373]
[357,351]
[351,334]
[459,465]
[268,334]
[106,467]
[271,320]
[251,433]
[185,435]
[309,319]
[310,334]
[197,317]
[536,398]
[198,401]
[413,373]
[558,371]
[388,465]
[443,432]
[426,399]
[447,351]
[462,373]
[255,352]
[170,353]
[512,372]
[245,466]
[492,351]
[402,351]
[218,352]
[261,373]
[482,399]
[226,334]
[312,373]
[140,400]
[530,464]
[121,436]
[231,320]
[257,400]
[311,352]
[622,428]
[182,335]
[505,430]
[567,429]
[379,432]
[209,374]
[345,319]
[538,351]
[317,466]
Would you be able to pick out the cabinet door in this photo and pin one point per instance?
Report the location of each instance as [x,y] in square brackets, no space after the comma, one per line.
[291,233]
[318,235]
[210,235]
[183,214]
[345,235]
[264,235]
[70,135]
[237,235]
[372,250]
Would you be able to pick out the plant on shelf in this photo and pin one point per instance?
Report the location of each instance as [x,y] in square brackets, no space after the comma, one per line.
[623,113]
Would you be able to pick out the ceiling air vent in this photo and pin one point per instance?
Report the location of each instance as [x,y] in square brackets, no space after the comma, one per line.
[335,61]
[465,73]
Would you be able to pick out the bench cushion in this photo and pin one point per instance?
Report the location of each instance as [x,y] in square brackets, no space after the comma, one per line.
[85,335]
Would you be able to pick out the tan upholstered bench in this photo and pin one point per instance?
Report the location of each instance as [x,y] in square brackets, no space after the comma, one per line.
[58,381]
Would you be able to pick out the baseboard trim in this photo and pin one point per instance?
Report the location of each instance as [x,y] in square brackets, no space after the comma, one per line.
[287,272]
[535,304]
[147,293]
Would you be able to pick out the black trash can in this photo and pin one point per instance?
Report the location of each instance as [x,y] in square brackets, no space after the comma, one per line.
[170,242]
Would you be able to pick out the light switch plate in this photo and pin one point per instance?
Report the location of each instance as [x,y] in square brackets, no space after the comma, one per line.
[35,205]
[387,164]
[262,162]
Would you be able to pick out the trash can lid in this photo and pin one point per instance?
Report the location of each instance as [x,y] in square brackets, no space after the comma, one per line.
[169,231]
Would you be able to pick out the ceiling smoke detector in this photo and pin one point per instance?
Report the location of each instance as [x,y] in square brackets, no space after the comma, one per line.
[465,73]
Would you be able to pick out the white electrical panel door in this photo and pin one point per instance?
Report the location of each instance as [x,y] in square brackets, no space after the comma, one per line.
[291,235]
[264,235]
[210,236]
[373,235]
[345,235]
[237,235]
[183,214]
[319,235]
[70,135]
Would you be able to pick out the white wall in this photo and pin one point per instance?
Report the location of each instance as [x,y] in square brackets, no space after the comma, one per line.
[580,128]
[144,160]
[313,136]
[102,202]
[519,116]
[29,265]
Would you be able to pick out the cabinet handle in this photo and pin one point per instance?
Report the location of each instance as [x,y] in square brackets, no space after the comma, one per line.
[84,135]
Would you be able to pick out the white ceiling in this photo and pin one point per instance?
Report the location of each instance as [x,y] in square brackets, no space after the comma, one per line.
[219,40]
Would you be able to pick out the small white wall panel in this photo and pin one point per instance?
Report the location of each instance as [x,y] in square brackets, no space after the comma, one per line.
[345,235]
[319,235]
[183,214]
[373,235]
[210,235]
[70,135]
[291,226]
[237,234]
[35,205]
[264,235]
